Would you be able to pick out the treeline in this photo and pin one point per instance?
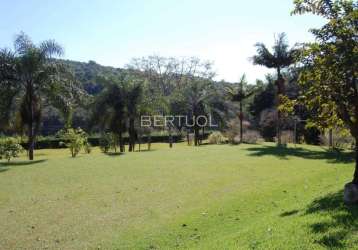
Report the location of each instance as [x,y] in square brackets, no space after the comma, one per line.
[103,99]
[44,95]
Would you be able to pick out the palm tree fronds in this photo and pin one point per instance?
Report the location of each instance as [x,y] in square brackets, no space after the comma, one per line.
[51,48]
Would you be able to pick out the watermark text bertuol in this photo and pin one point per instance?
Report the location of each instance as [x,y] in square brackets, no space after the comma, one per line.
[178,120]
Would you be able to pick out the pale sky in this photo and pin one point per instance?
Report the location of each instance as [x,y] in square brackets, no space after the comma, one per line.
[111,32]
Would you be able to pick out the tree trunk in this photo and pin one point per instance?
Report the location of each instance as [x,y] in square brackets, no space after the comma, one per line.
[115,142]
[355,176]
[202,134]
[31,131]
[279,142]
[241,117]
[330,138]
[280,91]
[196,135]
[187,136]
[31,143]
[170,138]
[149,141]
[131,135]
[121,142]
[139,142]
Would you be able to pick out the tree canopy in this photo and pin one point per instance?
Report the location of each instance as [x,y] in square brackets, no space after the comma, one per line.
[329,73]
[30,78]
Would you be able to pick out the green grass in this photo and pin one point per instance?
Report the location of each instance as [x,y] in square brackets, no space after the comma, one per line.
[210,197]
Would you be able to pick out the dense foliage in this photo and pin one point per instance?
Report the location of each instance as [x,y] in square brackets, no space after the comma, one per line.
[329,75]
[9,148]
[29,79]
[75,140]
[280,58]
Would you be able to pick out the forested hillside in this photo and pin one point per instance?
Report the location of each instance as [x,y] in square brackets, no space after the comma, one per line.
[86,73]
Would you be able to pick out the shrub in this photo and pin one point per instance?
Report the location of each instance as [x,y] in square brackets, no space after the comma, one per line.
[88,147]
[236,140]
[190,138]
[341,139]
[287,136]
[268,118]
[107,142]
[55,142]
[216,138]
[251,136]
[74,139]
[10,148]
[233,129]
[312,135]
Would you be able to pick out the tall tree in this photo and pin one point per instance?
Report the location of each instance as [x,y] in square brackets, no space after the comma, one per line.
[329,75]
[118,107]
[239,93]
[134,90]
[168,76]
[264,99]
[201,100]
[109,109]
[281,58]
[29,73]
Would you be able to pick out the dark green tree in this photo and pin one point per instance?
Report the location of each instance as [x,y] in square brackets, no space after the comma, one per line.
[29,73]
[134,91]
[109,109]
[281,58]
[239,93]
[329,74]
[118,107]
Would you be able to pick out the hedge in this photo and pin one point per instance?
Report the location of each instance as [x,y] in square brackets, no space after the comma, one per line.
[45,143]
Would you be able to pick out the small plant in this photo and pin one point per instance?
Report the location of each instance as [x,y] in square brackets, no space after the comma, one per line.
[87,147]
[107,142]
[75,140]
[216,138]
[9,148]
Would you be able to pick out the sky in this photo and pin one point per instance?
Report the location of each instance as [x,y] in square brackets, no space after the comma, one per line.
[111,32]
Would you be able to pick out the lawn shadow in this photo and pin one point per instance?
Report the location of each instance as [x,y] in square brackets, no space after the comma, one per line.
[114,153]
[341,221]
[123,153]
[3,169]
[284,152]
[289,213]
[145,150]
[20,163]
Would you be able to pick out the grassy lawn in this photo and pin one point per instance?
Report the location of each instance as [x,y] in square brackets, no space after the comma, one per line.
[210,197]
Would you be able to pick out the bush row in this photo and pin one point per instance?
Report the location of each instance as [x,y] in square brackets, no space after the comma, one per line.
[44,143]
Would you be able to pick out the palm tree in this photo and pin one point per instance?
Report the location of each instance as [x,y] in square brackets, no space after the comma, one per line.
[239,93]
[134,91]
[30,74]
[201,100]
[109,109]
[117,108]
[281,57]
